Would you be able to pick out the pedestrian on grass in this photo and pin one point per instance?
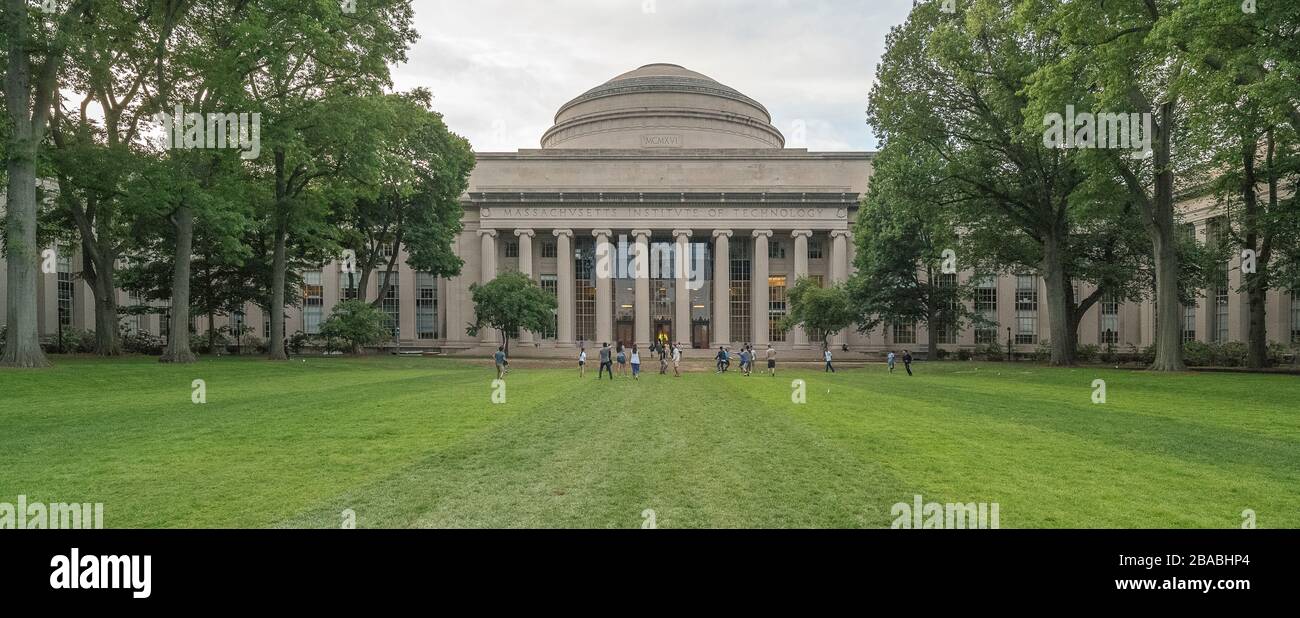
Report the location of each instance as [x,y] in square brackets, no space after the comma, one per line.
[605,365]
[636,363]
[500,358]
[827,356]
[677,360]
[890,360]
[582,362]
[907,361]
[771,360]
[622,360]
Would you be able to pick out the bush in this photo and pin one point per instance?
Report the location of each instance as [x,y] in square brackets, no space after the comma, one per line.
[208,343]
[300,340]
[993,351]
[941,354]
[75,340]
[1110,354]
[1087,353]
[963,354]
[142,343]
[357,322]
[1043,352]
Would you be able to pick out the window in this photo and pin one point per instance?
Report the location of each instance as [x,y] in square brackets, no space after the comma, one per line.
[1110,320]
[1189,323]
[391,305]
[1026,309]
[1295,316]
[426,306]
[512,248]
[584,283]
[348,283]
[165,325]
[66,287]
[549,249]
[313,304]
[819,280]
[776,250]
[944,329]
[986,306]
[551,284]
[1220,328]
[814,248]
[138,322]
[741,273]
[266,325]
[776,307]
[905,333]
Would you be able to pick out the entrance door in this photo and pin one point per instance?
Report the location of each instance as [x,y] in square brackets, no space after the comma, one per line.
[625,333]
[700,335]
[665,328]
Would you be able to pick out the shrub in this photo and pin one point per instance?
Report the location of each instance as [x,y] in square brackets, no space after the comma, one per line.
[75,340]
[942,354]
[1087,353]
[993,351]
[1043,352]
[357,322]
[963,354]
[208,343]
[143,343]
[300,340]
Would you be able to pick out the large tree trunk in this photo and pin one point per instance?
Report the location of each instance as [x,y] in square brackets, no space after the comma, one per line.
[279,266]
[1256,283]
[178,344]
[1164,240]
[1059,304]
[107,342]
[932,340]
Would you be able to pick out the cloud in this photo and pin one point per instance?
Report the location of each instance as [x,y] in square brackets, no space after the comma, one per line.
[499,69]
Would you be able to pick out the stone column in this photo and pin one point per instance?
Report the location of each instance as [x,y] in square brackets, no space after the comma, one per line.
[605,259]
[759,300]
[839,272]
[489,265]
[525,237]
[797,337]
[564,288]
[721,327]
[641,248]
[682,293]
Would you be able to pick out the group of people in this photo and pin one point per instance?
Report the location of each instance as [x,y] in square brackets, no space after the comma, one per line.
[907,361]
[747,357]
[608,356]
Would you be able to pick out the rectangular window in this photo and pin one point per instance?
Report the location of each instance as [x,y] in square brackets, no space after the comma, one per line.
[348,283]
[67,288]
[986,306]
[814,248]
[549,249]
[313,303]
[584,285]
[1220,329]
[1295,316]
[512,248]
[1110,320]
[904,333]
[741,274]
[776,250]
[391,305]
[943,329]
[776,307]
[1189,323]
[266,325]
[426,306]
[1026,309]
[819,280]
[551,284]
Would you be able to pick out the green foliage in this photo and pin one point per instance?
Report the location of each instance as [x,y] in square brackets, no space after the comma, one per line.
[142,343]
[356,322]
[818,309]
[510,303]
[75,341]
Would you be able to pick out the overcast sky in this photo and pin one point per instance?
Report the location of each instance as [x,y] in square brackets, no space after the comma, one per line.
[499,69]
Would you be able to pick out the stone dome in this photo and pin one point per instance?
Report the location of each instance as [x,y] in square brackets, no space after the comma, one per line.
[662,106]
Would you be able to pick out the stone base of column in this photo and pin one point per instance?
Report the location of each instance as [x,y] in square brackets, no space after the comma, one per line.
[567,345]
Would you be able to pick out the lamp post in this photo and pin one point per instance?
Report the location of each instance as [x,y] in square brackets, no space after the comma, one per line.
[1008,344]
[61,328]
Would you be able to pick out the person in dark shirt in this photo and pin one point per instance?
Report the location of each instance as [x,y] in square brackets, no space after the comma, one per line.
[605,362]
[907,361]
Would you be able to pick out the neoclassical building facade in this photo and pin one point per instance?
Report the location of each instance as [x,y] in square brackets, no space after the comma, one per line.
[668,163]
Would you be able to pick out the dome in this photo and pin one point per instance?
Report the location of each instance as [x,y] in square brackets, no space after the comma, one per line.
[662,106]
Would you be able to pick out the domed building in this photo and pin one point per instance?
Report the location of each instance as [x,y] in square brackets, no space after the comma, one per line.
[671,162]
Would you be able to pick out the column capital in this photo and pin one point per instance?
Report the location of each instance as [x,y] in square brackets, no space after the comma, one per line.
[762,233]
[646,233]
[487,232]
[803,233]
[679,234]
[841,233]
[726,233]
[525,232]
[599,233]
[559,233]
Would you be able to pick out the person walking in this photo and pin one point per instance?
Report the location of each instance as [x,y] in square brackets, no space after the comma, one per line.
[663,359]
[582,362]
[907,361]
[500,358]
[744,361]
[827,356]
[636,363]
[722,359]
[622,360]
[890,360]
[677,361]
[605,365]
[771,360]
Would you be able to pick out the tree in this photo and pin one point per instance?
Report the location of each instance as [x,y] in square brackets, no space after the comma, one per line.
[954,84]
[34,62]
[817,309]
[902,232]
[510,303]
[424,171]
[357,322]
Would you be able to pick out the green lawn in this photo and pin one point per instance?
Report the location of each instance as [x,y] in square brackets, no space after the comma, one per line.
[418,442]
